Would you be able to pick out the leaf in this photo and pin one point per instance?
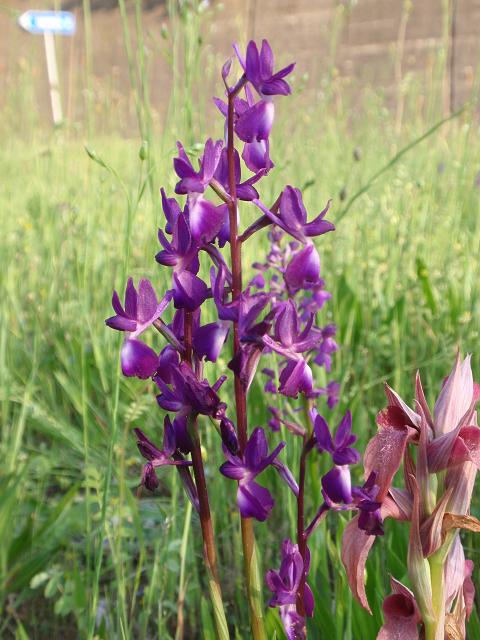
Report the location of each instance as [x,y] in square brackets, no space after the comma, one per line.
[422,275]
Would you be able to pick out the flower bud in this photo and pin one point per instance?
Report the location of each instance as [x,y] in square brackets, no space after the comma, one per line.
[229,435]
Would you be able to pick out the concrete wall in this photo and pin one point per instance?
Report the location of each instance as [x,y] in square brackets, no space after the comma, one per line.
[380,43]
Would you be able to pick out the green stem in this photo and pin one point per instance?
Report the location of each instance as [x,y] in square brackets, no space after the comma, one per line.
[435,628]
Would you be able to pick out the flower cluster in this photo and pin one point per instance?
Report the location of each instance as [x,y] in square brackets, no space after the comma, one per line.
[438,486]
[276,318]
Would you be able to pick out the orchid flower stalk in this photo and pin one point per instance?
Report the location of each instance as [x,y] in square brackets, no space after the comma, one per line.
[435,500]
[275,320]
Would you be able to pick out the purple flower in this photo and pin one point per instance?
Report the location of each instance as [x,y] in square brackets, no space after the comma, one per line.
[291,342]
[303,270]
[181,252]
[254,501]
[157,457]
[296,377]
[171,210]
[256,156]
[189,395]
[138,360]
[370,519]
[141,308]
[253,121]
[167,361]
[258,69]
[327,347]
[189,291]
[292,216]
[206,219]
[285,585]
[333,389]
[339,447]
[192,181]
[244,190]
[209,339]
[337,487]
[336,484]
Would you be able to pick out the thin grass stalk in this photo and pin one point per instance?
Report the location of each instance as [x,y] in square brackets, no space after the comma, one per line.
[87,22]
[182,586]
[131,66]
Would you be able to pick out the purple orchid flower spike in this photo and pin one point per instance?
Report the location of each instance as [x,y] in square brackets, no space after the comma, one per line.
[158,457]
[192,181]
[258,68]
[292,216]
[141,308]
[255,501]
[285,585]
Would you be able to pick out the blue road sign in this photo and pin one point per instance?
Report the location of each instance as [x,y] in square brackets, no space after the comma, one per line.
[39,22]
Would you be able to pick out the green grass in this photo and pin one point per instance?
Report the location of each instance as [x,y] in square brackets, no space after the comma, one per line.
[80,554]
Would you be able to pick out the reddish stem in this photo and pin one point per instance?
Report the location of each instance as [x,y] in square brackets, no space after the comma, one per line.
[301,538]
[248,536]
[198,470]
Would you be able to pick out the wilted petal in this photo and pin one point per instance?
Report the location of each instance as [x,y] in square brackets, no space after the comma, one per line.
[356,545]
[229,435]
[286,475]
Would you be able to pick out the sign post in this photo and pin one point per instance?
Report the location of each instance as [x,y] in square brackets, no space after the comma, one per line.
[49,23]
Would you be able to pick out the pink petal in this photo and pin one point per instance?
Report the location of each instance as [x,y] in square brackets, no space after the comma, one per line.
[401,615]
[384,455]
[356,545]
[455,397]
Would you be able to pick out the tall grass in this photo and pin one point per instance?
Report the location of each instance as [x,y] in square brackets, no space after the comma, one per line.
[81,555]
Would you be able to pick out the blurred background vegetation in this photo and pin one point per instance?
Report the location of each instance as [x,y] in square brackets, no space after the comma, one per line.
[81,555]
